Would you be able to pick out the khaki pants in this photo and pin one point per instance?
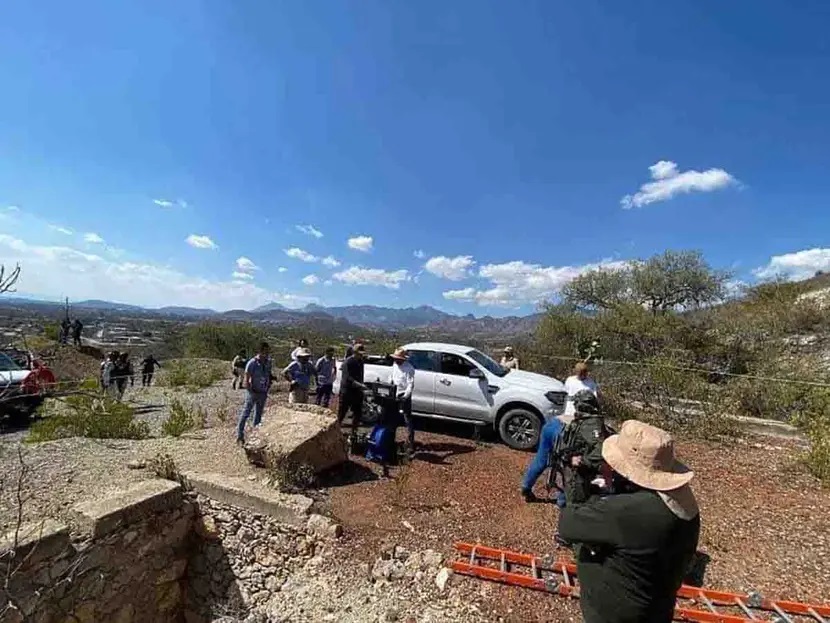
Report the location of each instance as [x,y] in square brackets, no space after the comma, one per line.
[298,396]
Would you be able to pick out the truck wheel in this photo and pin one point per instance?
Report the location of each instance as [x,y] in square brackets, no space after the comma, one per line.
[520,429]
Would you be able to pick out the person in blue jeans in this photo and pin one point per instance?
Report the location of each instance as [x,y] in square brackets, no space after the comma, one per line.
[550,431]
[257,381]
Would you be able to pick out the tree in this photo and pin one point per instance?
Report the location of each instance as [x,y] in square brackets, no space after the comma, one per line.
[7,281]
[674,280]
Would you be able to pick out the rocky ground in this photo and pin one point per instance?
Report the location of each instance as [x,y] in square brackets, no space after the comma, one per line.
[765,523]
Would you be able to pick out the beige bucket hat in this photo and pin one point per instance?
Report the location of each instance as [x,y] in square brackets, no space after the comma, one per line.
[400,354]
[644,454]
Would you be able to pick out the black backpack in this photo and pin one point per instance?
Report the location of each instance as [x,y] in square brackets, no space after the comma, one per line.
[574,441]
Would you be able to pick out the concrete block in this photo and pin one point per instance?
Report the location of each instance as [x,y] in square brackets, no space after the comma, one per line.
[101,517]
[252,496]
[36,541]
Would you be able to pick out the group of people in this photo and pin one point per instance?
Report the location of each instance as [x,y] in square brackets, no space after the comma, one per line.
[117,370]
[75,328]
[627,508]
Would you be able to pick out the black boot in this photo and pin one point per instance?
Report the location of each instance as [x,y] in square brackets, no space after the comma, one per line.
[529,496]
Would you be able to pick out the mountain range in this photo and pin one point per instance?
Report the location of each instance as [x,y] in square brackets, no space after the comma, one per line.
[366,316]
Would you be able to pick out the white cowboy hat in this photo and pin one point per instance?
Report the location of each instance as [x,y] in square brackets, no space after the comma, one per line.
[400,353]
[644,454]
[508,349]
[303,352]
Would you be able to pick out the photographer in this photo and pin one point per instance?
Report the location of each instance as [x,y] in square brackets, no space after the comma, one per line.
[634,547]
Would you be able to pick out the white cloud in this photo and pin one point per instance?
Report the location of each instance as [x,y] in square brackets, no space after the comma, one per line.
[796,266]
[52,271]
[361,243]
[12,208]
[93,238]
[519,283]
[669,182]
[309,230]
[244,265]
[357,276]
[328,282]
[200,242]
[61,230]
[419,254]
[240,276]
[282,269]
[167,203]
[310,280]
[299,254]
[452,268]
[330,261]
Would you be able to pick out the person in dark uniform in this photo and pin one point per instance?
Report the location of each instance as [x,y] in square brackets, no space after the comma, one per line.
[586,460]
[634,547]
[77,330]
[148,369]
[351,389]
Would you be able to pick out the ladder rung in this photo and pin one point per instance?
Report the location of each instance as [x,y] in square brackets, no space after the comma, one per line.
[708,603]
[746,610]
[781,613]
[816,615]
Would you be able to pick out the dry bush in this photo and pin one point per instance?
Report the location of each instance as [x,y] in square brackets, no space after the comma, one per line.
[287,475]
[193,373]
[183,418]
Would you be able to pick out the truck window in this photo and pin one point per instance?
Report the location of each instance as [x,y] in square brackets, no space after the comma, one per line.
[455,365]
[422,360]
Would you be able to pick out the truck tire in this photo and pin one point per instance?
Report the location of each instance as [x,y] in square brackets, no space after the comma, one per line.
[520,429]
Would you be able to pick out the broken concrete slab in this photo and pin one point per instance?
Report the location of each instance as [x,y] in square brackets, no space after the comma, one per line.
[101,517]
[35,541]
[300,434]
[239,491]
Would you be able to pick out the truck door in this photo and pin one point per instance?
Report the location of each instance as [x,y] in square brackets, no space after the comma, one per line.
[457,394]
[423,394]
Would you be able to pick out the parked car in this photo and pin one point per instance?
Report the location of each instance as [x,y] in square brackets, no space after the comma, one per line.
[23,383]
[460,383]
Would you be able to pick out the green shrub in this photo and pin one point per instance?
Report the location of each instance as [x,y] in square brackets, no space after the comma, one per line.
[193,373]
[183,418]
[817,457]
[90,415]
[52,331]
[221,341]
[287,475]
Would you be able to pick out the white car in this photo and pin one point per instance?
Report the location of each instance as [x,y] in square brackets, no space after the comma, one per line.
[461,383]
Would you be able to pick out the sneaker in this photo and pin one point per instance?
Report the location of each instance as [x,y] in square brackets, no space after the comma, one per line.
[562,542]
[240,441]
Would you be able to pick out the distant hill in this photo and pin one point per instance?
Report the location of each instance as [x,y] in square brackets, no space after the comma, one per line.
[384,317]
[194,312]
[106,306]
[270,307]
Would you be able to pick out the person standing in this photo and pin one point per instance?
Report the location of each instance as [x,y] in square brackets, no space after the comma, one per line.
[64,333]
[403,378]
[238,369]
[351,347]
[124,372]
[109,375]
[633,548]
[326,370]
[258,382]
[299,373]
[148,369]
[77,330]
[509,360]
[302,343]
[351,390]
[580,380]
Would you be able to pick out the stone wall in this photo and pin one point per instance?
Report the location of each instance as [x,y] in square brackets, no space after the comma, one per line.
[157,554]
[125,562]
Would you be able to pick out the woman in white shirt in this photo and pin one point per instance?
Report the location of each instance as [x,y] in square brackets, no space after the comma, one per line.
[577,382]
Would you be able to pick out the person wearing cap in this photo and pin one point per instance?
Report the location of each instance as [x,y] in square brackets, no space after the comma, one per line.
[326,371]
[258,380]
[352,345]
[299,373]
[633,548]
[580,380]
[509,360]
[351,389]
[403,378]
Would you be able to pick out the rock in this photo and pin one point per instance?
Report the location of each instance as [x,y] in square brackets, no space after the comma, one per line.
[442,578]
[324,527]
[172,572]
[206,527]
[303,434]
[391,615]
[408,526]
[400,553]
[432,559]
[389,570]
[137,464]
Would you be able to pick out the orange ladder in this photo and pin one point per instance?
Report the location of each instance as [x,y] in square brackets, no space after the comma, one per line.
[558,576]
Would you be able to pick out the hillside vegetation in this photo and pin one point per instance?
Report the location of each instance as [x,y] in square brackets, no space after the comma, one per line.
[668,337]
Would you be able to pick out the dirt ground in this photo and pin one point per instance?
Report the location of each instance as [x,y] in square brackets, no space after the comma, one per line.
[765,523]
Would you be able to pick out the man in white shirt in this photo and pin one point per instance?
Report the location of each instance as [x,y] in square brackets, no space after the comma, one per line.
[509,361]
[579,381]
[403,378]
[301,344]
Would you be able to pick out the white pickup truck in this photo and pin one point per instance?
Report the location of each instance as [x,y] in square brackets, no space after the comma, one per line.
[460,383]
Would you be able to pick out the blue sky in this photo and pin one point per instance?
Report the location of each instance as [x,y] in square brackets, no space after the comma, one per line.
[477,154]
